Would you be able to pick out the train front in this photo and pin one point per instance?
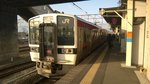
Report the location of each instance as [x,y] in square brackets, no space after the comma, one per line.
[52,42]
[66,39]
[43,43]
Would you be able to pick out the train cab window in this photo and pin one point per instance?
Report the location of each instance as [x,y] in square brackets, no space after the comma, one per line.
[34,32]
[65,34]
[48,35]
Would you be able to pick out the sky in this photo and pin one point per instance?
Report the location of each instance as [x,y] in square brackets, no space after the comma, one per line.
[90,6]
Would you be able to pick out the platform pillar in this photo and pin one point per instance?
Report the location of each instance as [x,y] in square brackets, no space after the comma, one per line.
[8,32]
[130,4]
[147,41]
[123,34]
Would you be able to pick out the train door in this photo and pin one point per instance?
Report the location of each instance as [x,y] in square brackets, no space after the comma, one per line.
[47,48]
[80,43]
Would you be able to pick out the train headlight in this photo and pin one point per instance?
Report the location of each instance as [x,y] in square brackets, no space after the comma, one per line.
[67,51]
[63,50]
[70,51]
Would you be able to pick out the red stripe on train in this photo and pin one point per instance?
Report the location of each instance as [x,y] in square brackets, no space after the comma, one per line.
[83,24]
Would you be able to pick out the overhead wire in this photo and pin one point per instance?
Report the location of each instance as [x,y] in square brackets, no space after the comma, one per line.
[79,7]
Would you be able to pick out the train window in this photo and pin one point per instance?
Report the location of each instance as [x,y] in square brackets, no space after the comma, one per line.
[34,32]
[87,35]
[85,38]
[65,30]
[48,35]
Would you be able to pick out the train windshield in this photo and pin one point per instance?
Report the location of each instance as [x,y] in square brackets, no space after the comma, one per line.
[34,32]
[48,35]
[65,30]
[47,39]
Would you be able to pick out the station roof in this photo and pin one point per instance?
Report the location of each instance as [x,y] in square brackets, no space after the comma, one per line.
[111,17]
[27,3]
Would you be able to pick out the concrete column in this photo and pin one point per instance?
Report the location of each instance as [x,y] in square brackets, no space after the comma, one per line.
[129,32]
[138,44]
[123,34]
[147,41]
[138,33]
[8,32]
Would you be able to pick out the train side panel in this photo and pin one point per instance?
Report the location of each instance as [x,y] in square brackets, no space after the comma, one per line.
[84,40]
[89,38]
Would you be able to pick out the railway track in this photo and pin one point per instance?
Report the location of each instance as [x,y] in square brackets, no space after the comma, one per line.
[52,80]
[24,48]
[19,77]
[33,78]
[14,69]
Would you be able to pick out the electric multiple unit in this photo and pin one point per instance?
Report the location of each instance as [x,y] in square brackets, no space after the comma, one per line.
[61,39]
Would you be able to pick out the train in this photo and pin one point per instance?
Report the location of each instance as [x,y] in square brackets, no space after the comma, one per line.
[57,39]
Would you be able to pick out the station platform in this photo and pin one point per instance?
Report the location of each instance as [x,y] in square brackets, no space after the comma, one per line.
[103,67]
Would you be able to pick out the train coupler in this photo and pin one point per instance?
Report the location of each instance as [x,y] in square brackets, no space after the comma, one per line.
[45,68]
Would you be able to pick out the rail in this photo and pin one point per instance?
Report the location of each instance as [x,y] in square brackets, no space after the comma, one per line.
[10,70]
[24,48]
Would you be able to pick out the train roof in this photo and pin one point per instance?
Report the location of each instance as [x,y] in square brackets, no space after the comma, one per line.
[74,16]
[53,14]
[90,23]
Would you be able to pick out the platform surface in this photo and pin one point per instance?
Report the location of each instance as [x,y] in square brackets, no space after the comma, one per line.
[102,70]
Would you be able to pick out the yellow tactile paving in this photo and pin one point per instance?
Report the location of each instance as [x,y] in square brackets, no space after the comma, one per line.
[91,73]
